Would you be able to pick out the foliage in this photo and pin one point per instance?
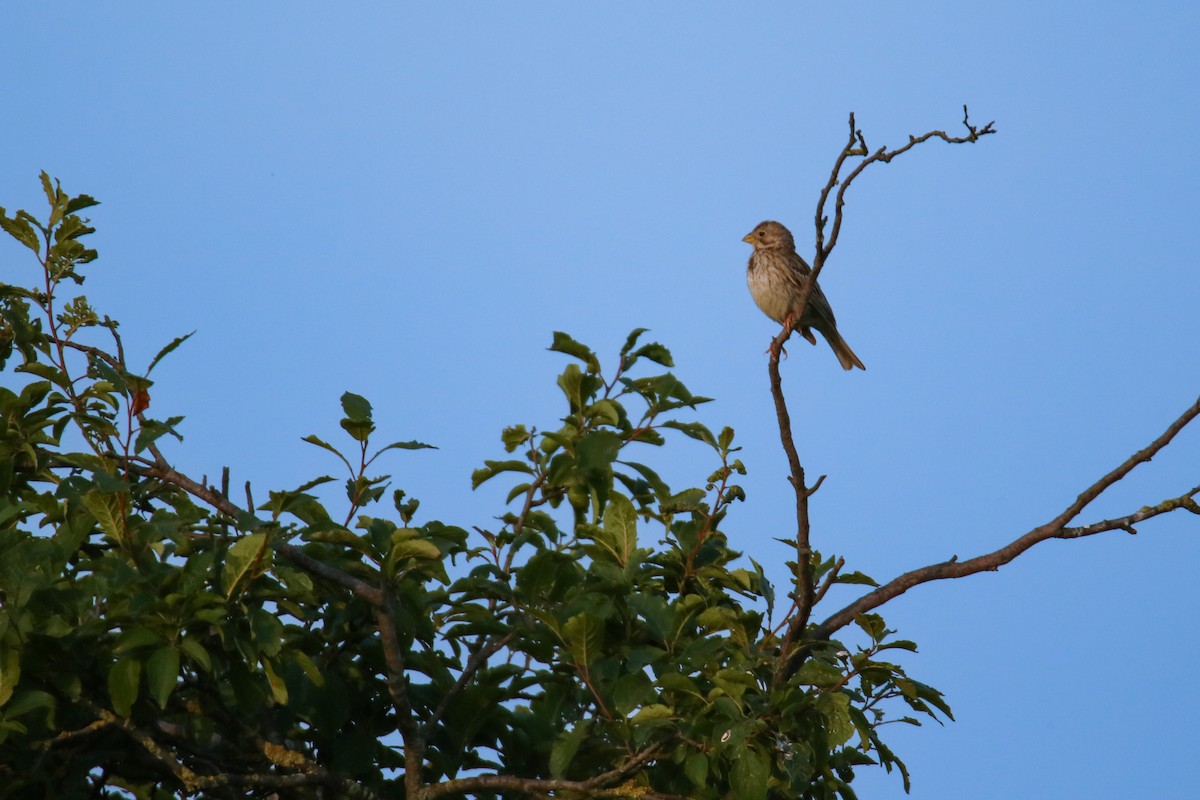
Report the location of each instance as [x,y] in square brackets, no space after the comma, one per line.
[158,639]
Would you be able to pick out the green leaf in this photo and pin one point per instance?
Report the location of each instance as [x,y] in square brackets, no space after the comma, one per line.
[513,437]
[278,687]
[631,340]
[166,350]
[584,634]
[414,548]
[152,430]
[196,652]
[687,500]
[266,630]
[246,554]
[359,430]
[123,679]
[106,508]
[748,778]
[632,691]
[80,202]
[933,697]
[652,714]
[491,469]
[10,671]
[53,193]
[872,625]
[356,407]
[765,588]
[50,373]
[818,673]
[835,707]
[20,230]
[606,411]
[656,353]
[693,429]
[308,667]
[695,767]
[619,535]
[28,701]
[564,749]
[162,672]
[565,344]
[571,383]
[411,445]
[327,446]
[857,578]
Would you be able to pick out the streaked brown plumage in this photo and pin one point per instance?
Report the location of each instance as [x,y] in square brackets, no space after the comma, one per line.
[777,276]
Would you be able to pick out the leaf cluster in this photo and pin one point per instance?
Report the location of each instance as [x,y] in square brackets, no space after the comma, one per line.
[160,638]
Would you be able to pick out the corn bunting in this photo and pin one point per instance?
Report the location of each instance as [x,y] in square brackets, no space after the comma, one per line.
[777,276]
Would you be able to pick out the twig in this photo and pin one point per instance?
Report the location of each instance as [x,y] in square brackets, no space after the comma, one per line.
[159,468]
[855,147]
[475,662]
[1055,528]
[829,581]
[598,786]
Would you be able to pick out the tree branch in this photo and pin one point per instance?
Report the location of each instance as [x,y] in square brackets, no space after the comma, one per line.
[475,662]
[1055,528]
[160,469]
[803,595]
[397,684]
[598,786]
[857,146]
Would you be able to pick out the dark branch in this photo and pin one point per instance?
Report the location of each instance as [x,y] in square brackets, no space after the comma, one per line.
[1054,529]
[160,469]
[602,785]
[804,596]
[857,147]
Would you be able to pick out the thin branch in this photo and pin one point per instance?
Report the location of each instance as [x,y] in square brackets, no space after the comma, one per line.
[147,742]
[857,146]
[97,352]
[1126,523]
[806,596]
[804,588]
[160,469]
[829,581]
[1054,529]
[475,662]
[598,786]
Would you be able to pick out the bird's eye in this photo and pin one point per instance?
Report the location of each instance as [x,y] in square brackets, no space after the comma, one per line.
[760,234]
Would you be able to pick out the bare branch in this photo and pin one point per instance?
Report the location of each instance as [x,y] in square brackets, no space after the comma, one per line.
[1126,523]
[803,597]
[602,785]
[829,580]
[1055,528]
[857,147]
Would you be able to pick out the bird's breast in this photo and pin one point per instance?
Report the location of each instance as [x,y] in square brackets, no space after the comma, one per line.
[771,291]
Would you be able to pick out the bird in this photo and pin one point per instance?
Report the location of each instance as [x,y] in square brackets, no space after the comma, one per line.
[777,276]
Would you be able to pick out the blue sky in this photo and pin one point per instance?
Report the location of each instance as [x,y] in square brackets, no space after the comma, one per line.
[405,202]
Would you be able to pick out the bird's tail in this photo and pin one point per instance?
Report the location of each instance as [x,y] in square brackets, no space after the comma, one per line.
[845,355]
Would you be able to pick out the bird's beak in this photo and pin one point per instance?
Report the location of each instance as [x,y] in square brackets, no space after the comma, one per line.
[748,238]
